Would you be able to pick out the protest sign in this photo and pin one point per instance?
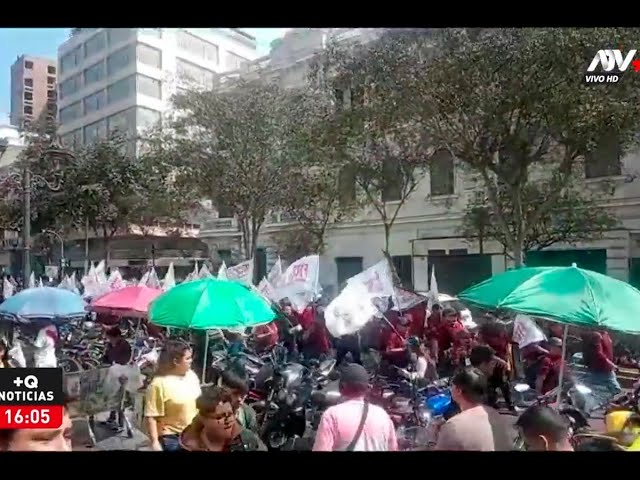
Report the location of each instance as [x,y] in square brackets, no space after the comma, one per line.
[377,279]
[526,332]
[299,282]
[243,272]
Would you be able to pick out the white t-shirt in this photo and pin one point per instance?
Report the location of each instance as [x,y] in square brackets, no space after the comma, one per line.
[44,355]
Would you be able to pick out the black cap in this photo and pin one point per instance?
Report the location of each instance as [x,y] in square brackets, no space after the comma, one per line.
[354,374]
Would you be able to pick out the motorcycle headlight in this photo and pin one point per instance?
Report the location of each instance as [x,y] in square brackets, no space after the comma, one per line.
[425,415]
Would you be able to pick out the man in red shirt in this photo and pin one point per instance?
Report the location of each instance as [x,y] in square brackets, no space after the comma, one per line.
[315,339]
[266,336]
[494,335]
[549,371]
[417,316]
[598,357]
[395,351]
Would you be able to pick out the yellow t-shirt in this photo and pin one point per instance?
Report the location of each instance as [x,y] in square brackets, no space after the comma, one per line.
[171,399]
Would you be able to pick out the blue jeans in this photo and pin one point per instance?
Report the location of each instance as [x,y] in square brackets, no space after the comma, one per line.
[604,385]
[170,443]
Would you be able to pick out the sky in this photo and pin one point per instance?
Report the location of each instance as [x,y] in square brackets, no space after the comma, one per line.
[43,42]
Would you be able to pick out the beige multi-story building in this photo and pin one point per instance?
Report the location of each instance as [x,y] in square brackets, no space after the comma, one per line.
[426,232]
[33,89]
[123,79]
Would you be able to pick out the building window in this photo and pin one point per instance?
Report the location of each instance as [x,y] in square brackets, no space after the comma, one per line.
[28,95]
[93,74]
[234,62]
[123,122]
[121,59]
[70,86]
[149,55]
[604,160]
[121,90]
[95,44]
[28,82]
[392,188]
[51,70]
[347,268]
[28,110]
[28,65]
[197,47]
[95,102]
[189,73]
[51,80]
[51,94]
[70,60]
[441,173]
[70,113]
[72,140]
[146,117]
[148,86]
[118,35]
[95,131]
[404,268]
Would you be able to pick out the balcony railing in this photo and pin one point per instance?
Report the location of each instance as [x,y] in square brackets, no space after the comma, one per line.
[219,224]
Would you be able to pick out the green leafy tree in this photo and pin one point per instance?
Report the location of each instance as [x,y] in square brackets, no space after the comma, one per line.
[376,127]
[511,106]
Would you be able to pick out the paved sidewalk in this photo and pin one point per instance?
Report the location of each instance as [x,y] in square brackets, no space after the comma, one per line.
[106,438]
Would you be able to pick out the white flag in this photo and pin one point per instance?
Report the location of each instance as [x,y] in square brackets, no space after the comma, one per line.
[194,274]
[300,282]
[40,284]
[150,279]
[169,280]
[526,332]
[32,280]
[7,288]
[116,282]
[266,289]
[222,272]
[204,272]
[350,311]
[406,299]
[243,272]
[377,279]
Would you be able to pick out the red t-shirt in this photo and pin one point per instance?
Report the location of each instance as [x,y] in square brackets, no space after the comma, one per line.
[603,351]
[550,371]
[318,338]
[305,319]
[447,334]
[272,330]
[499,343]
[418,316]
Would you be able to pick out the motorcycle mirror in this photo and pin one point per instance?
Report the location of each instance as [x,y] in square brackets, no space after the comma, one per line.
[521,387]
[583,389]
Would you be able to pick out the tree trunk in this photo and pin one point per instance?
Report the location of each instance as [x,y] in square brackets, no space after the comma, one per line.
[387,254]
[518,255]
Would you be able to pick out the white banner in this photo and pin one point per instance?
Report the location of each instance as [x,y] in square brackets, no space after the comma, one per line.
[266,289]
[275,274]
[377,279]
[7,288]
[204,272]
[299,282]
[404,299]
[116,282]
[349,311]
[243,272]
[526,332]
[222,271]
[169,280]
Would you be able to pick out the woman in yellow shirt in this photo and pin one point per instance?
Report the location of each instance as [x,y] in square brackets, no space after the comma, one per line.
[170,401]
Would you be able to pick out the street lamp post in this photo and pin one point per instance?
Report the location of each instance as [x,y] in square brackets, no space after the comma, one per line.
[61,240]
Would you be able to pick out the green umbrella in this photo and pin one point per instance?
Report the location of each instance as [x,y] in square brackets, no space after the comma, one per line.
[567,294]
[210,303]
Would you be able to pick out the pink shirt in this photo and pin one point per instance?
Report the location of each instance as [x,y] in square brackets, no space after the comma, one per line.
[340,423]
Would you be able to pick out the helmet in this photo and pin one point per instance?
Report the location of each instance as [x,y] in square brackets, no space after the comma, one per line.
[620,420]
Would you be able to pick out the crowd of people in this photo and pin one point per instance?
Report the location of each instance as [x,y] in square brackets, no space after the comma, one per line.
[418,345]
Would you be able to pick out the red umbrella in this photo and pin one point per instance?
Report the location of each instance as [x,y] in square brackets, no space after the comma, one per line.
[129,301]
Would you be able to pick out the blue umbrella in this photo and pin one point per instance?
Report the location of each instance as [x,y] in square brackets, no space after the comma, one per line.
[43,303]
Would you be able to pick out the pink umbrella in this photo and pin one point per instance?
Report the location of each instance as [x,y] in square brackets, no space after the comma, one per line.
[129,301]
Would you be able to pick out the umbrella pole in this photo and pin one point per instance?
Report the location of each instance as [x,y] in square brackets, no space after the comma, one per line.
[562,365]
[206,355]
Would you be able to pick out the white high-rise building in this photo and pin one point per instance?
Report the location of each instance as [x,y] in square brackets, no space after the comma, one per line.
[123,78]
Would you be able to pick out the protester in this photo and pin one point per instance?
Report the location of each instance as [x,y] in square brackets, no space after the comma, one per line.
[348,344]
[483,357]
[170,402]
[542,429]
[476,427]
[432,330]
[549,372]
[355,425]
[266,336]
[598,357]
[38,439]
[395,351]
[423,366]
[44,355]
[532,356]
[417,316]
[4,355]
[118,352]
[494,334]
[215,429]
[315,341]
[239,389]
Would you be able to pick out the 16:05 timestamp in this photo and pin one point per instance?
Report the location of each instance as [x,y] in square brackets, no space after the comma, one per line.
[31,416]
